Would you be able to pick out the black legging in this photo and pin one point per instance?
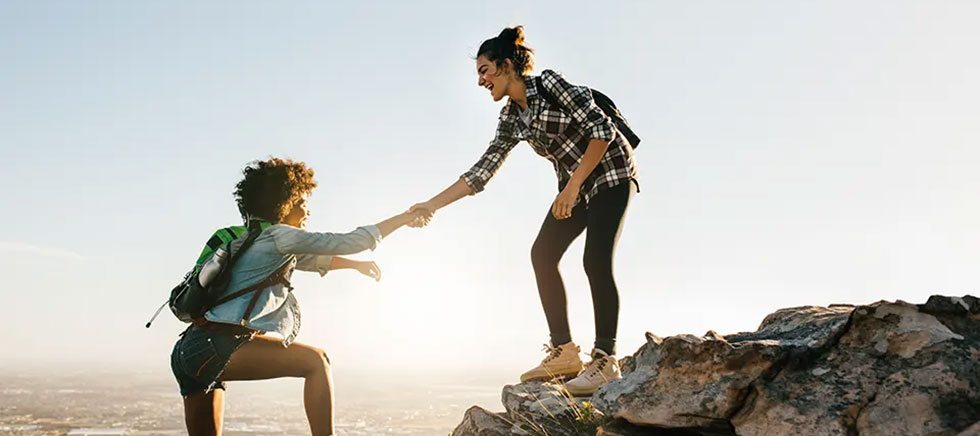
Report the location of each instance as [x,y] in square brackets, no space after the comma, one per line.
[604,219]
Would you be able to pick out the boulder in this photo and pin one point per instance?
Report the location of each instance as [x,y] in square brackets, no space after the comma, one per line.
[478,421]
[888,368]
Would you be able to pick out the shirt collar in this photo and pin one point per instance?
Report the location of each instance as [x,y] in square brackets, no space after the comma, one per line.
[531,89]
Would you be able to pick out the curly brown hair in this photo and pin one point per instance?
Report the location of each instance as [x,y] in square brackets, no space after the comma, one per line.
[271,188]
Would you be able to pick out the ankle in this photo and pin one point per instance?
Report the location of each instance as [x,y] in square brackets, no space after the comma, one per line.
[561,341]
[605,346]
[599,353]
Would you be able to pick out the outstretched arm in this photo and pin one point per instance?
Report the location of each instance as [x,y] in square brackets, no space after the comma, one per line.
[299,241]
[367,267]
[454,192]
[321,263]
[474,180]
[394,223]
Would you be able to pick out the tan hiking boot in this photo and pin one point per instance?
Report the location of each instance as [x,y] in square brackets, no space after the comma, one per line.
[601,370]
[562,361]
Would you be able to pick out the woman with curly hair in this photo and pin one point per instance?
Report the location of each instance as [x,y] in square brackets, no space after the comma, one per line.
[596,181]
[227,345]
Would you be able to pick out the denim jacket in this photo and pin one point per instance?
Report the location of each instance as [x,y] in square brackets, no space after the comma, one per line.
[281,245]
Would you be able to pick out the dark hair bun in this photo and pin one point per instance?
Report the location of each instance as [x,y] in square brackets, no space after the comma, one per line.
[509,45]
[512,35]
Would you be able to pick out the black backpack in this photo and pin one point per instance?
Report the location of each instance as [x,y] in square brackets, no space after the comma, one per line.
[605,103]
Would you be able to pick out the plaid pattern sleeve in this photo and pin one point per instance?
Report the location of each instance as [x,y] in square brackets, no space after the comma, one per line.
[501,145]
[578,102]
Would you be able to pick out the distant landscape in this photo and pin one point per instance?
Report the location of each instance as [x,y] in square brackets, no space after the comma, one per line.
[98,404]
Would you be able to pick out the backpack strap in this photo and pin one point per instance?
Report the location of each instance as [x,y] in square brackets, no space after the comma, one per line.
[251,306]
[279,276]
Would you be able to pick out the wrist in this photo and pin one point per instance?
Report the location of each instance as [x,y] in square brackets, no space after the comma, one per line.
[341,263]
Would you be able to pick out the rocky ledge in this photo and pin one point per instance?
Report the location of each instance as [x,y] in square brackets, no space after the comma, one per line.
[889,368]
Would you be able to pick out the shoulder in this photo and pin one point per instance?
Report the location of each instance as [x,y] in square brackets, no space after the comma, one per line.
[550,75]
[555,83]
[551,79]
[280,230]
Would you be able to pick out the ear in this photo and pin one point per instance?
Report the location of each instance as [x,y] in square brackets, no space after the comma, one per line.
[507,67]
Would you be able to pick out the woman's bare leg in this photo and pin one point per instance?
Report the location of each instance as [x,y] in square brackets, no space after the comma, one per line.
[203,413]
[265,357]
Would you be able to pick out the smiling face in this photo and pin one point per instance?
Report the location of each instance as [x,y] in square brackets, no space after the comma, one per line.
[495,79]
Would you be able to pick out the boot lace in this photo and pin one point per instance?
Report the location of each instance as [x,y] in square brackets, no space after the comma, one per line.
[595,367]
[553,353]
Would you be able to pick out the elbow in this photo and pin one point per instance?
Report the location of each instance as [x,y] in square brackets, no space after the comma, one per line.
[471,184]
[604,132]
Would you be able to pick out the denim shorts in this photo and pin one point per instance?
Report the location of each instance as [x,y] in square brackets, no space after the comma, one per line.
[201,354]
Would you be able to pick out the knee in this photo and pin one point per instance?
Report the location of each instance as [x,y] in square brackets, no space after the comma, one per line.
[597,267]
[317,361]
[543,256]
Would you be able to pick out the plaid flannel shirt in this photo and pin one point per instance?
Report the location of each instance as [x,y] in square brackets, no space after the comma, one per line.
[559,134]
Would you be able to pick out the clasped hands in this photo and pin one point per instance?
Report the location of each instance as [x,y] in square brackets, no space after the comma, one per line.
[423,213]
[561,207]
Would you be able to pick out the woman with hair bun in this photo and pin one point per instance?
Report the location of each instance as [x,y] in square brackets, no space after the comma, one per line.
[596,178]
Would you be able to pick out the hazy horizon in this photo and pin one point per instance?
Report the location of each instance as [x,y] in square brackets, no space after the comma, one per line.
[793,154]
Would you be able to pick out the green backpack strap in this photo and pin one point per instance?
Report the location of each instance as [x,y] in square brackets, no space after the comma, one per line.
[225,235]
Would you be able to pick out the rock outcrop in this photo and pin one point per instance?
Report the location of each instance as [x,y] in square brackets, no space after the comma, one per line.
[889,368]
[530,408]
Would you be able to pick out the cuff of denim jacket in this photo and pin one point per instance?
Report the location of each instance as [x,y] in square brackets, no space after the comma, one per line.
[375,234]
[323,263]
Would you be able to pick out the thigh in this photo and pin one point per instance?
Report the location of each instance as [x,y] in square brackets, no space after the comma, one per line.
[203,413]
[606,214]
[556,234]
[265,357]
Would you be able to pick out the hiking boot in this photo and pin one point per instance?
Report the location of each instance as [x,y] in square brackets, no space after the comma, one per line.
[562,361]
[601,370]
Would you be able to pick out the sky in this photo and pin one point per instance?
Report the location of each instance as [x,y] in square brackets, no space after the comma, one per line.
[794,153]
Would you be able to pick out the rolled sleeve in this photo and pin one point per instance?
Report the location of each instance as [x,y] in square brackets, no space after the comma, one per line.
[580,105]
[487,166]
[375,233]
[292,240]
[315,263]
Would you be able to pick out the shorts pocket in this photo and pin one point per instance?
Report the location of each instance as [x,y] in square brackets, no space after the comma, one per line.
[197,356]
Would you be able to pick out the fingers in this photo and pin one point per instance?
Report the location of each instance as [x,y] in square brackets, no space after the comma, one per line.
[423,212]
[419,222]
[561,209]
[422,216]
[371,270]
[421,208]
